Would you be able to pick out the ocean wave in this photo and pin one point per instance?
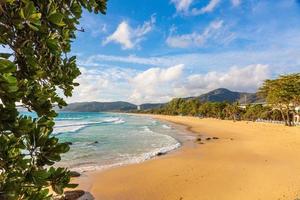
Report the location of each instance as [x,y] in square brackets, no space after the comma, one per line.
[173,144]
[68,118]
[120,121]
[111,119]
[147,129]
[74,126]
[154,122]
[92,166]
[166,126]
[69,129]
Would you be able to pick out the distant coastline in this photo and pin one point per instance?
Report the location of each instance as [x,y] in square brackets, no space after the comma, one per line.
[218,95]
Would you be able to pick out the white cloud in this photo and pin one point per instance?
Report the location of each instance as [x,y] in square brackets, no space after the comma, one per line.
[101,84]
[207,9]
[236,2]
[194,39]
[122,35]
[155,84]
[243,79]
[162,84]
[128,37]
[182,5]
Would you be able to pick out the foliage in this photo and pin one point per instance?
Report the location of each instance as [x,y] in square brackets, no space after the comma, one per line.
[213,109]
[233,111]
[258,111]
[39,34]
[283,94]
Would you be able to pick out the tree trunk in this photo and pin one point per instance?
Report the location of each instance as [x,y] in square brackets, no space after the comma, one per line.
[289,120]
[283,117]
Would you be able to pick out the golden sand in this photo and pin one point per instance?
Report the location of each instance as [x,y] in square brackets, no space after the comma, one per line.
[250,161]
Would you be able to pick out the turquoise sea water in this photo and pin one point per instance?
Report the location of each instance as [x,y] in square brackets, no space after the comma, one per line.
[103,140]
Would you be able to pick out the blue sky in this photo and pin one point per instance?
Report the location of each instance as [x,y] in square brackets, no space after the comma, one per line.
[155,50]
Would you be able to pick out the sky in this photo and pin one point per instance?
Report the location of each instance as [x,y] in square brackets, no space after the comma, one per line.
[154,50]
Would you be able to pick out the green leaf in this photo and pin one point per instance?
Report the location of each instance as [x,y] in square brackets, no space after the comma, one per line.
[58,189]
[52,44]
[9,78]
[72,185]
[35,16]
[6,66]
[76,9]
[33,27]
[22,13]
[56,18]
[29,9]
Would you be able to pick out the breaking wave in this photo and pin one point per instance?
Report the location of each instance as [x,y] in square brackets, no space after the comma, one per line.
[74,126]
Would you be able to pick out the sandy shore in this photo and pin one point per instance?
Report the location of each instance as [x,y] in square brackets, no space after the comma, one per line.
[250,161]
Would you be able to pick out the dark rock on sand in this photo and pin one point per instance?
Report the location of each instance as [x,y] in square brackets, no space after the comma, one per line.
[161,153]
[73,195]
[215,138]
[74,174]
[208,138]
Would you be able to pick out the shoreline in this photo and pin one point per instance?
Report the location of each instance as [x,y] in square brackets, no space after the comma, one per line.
[181,138]
[260,160]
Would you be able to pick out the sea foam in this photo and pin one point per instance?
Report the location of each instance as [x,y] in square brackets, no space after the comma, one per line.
[74,126]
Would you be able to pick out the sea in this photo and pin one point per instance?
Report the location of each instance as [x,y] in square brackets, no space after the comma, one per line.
[104,140]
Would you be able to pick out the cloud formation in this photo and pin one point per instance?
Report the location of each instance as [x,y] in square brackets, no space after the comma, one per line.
[159,84]
[194,39]
[129,37]
[184,7]
[207,9]
[105,84]
[243,79]
[155,84]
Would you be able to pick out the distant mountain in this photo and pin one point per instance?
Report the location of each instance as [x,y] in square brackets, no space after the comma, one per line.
[149,106]
[225,95]
[218,95]
[118,106]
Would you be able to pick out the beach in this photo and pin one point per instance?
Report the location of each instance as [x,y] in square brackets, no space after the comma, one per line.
[248,161]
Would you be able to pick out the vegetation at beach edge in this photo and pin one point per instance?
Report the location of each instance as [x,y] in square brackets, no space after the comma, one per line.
[38,35]
[282,97]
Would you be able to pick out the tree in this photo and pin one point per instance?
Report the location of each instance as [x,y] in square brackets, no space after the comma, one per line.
[233,111]
[39,34]
[283,94]
[253,112]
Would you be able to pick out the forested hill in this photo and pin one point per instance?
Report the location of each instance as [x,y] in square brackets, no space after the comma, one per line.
[100,106]
[225,95]
[218,95]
